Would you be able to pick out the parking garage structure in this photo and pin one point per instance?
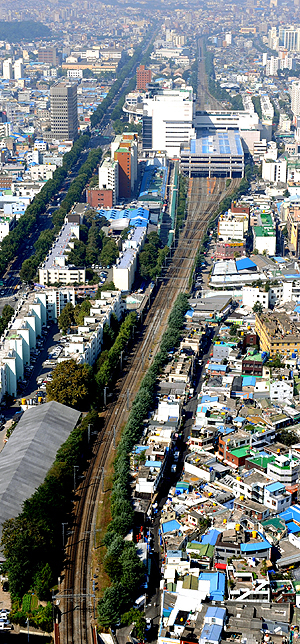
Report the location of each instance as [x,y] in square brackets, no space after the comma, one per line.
[213,153]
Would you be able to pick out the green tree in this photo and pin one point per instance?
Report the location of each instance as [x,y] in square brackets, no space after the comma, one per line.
[43,581]
[257,308]
[110,606]
[109,252]
[28,270]
[71,385]
[66,318]
[134,616]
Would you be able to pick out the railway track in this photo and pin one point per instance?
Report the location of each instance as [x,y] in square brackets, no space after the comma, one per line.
[77,599]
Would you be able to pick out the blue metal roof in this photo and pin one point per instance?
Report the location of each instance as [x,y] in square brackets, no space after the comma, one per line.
[255,546]
[211,537]
[274,487]
[217,367]
[292,514]
[293,527]
[217,584]
[211,633]
[217,612]
[244,263]
[239,419]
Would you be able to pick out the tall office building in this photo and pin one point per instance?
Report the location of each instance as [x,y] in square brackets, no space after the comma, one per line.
[63,106]
[7,72]
[168,120]
[143,77]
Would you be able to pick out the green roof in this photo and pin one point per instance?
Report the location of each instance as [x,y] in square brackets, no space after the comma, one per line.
[262,461]
[239,452]
[261,231]
[202,549]
[190,581]
[275,523]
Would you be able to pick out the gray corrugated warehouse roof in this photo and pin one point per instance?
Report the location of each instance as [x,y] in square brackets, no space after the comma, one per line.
[30,452]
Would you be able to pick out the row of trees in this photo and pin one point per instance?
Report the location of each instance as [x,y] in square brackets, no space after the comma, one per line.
[152,257]
[32,541]
[46,238]
[98,249]
[125,72]
[257,105]
[214,87]
[181,205]
[124,588]
[12,242]
[117,111]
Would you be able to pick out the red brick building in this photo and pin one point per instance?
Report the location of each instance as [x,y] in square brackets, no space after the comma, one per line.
[99,198]
[143,77]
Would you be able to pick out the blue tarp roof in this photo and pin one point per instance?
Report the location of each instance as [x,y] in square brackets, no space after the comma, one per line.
[170,526]
[249,381]
[217,584]
[211,537]
[244,263]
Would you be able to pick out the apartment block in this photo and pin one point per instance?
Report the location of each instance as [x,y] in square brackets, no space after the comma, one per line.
[55,269]
[126,155]
[109,178]
[278,334]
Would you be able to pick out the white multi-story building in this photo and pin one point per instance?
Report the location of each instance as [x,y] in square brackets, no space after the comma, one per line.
[274,171]
[295,98]
[7,71]
[168,120]
[85,345]
[6,225]
[109,177]
[74,73]
[55,269]
[230,228]
[284,469]
[43,171]
[125,267]
[18,69]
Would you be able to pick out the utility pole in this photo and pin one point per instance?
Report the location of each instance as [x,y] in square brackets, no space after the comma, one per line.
[114,437]
[128,396]
[121,360]
[63,533]
[104,395]
[89,433]
[75,467]
[102,476]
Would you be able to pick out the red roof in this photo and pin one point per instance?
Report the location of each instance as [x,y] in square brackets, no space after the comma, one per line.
[220,566]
